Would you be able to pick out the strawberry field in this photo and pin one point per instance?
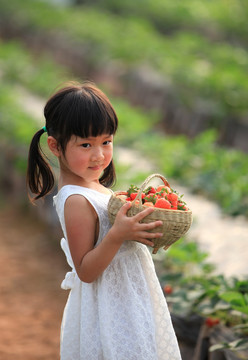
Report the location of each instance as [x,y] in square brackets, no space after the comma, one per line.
[199,53]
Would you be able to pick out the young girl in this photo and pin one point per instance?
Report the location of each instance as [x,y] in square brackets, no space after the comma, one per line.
[116,309]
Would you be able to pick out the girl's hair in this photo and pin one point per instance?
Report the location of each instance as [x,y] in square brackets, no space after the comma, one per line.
[76,109]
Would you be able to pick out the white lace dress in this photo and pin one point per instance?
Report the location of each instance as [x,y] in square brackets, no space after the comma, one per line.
[122,315]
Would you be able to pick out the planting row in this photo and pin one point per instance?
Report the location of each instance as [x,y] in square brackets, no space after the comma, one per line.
[202,77]
[192,288]
[213,19]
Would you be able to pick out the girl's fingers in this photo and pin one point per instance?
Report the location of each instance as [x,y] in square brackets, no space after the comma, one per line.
[151,225]
[124,209]
[150,236]
[147,242]
[138,217]
[143,214]
[146,238]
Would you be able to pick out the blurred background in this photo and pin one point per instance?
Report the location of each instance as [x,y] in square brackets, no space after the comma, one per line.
[176,73]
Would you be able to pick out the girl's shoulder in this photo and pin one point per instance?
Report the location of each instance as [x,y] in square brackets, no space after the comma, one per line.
[77,189]
[69,190]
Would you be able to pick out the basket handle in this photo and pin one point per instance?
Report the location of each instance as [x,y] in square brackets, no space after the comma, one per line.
[148,179]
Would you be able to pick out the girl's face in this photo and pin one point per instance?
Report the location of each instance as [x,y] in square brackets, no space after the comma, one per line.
[86,158]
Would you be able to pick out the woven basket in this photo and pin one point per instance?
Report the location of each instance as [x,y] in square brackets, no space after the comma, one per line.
[175,222]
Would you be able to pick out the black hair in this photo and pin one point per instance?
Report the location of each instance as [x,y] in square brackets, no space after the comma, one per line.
[76,109]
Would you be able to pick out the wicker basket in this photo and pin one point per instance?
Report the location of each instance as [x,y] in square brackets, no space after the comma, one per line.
[175,222]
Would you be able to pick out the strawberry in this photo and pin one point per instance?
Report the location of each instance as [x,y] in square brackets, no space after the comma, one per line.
[163,204]
[128,199]
[210,322]
[168,289]
[150,190]
[132,189]
[133,195]
[172,197]
[181,206]
[163,188]
[148,204]
[150,198]
[174,207]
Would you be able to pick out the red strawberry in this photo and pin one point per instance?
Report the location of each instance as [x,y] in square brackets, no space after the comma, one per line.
[210,322]
[132,189]
[172,197]
[174,207]
[163,188]
[148,204]
[168,289]
[152,190]
[150,198]
[181,206]
[163,204]
[133,195]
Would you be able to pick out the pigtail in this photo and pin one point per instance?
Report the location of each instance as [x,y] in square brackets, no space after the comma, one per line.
[108,177]
[40,178]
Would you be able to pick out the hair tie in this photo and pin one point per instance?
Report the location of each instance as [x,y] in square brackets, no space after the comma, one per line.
[44,129]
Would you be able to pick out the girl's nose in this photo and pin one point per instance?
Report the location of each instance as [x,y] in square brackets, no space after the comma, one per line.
[97,154]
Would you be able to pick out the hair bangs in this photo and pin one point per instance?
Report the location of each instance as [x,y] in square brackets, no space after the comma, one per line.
[90,115]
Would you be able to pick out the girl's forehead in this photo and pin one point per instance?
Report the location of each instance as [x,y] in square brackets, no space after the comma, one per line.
[76,138]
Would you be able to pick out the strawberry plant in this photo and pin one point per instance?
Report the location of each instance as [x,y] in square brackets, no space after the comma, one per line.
[196,290]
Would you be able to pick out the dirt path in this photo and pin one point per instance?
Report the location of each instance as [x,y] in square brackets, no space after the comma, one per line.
[223,237]
[32,268]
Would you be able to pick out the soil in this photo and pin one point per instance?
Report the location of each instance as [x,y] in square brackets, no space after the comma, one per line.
[32,302]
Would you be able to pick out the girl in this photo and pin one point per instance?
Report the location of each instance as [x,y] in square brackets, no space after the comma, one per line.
[116,309]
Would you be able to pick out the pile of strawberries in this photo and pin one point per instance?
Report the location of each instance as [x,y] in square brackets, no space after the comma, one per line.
[161,197]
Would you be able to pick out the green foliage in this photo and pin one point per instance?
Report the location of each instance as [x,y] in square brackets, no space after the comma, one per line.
[236,345]
[214,19]
[196,290]
[207,76]
[133,122]
[237,300]
[38,74]
[217,172]
[16,127]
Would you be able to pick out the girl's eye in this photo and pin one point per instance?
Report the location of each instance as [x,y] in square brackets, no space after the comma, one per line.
[107,142]
[85,145]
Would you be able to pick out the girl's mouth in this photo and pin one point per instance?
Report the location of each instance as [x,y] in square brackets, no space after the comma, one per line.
[95,167]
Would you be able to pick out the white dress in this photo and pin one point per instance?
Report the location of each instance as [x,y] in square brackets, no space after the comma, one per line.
[123,314]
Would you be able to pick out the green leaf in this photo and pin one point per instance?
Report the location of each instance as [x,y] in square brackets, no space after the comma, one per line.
[219,346]
[236,300]
[241,327]
[239,344]
[233,297]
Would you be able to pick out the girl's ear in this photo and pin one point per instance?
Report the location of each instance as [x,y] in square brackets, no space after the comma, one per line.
[53,145]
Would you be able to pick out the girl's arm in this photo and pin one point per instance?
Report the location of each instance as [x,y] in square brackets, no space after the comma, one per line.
[81,228]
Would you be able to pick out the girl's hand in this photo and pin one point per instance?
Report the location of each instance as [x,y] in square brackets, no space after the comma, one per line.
[130,228]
